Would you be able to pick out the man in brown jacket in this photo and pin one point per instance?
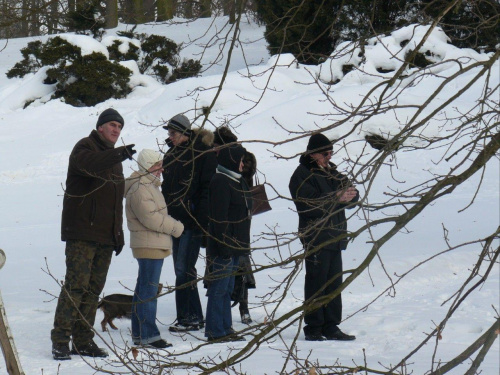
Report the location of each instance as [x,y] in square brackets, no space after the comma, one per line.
[92,228]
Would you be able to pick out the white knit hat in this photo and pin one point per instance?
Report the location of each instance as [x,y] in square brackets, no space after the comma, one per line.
[147,158]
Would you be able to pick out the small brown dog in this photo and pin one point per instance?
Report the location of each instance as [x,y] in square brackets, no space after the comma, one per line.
[117,306]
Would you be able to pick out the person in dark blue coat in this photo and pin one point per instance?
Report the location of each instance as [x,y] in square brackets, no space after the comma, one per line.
[321,194]
[229,237]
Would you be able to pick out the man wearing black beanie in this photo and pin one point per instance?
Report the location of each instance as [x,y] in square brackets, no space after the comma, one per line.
[108,115]
[91,226]
[321,194]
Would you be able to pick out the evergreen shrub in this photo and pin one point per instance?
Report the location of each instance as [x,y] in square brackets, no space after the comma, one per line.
[158,57]
[80,80]
[91,79]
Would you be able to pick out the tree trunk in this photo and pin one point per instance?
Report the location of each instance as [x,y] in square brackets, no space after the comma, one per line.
[6,340]
[227,6]
[149,10]
[127,11]
[166,10]
[8,346]
[111,14]
[25,19]
[34,21]
[232,11]
[188,9]
[137,12]
[53,17]
[205,8]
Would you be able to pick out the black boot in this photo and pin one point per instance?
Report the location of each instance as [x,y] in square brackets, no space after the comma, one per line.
[160,344]
[245,317]
[61,352]
[340,336]
[314,337]
[89,350]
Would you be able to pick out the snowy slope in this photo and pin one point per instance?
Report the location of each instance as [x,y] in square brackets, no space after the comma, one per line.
[36,141]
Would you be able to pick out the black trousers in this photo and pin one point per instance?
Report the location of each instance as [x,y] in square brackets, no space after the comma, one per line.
[321,267]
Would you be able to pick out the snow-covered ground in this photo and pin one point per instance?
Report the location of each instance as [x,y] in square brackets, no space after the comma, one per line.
[36,142]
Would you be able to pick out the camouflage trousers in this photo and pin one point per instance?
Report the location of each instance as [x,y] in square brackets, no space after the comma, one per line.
[87,265]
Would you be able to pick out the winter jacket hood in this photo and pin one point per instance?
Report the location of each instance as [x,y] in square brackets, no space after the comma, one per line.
[230,157]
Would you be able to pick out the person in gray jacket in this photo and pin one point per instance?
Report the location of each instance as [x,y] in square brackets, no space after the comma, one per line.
[151,230]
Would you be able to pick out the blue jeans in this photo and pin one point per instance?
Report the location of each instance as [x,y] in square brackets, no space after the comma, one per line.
[187,299]
[144,329]
[221,284]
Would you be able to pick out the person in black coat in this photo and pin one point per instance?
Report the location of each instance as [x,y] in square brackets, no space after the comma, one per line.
[189,165]
[229,237]
[321,194]
[244,278]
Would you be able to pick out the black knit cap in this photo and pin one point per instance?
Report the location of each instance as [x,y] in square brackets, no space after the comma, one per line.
[108,115]
[318,143]
[230,157]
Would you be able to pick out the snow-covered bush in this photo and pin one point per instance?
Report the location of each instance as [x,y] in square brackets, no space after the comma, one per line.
[89,80]
[81,79]
[156,55]
[85,72]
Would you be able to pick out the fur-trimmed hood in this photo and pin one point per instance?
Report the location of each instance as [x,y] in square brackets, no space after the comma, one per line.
[202,136]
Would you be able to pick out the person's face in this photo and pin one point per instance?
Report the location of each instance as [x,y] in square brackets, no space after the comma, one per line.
[241,165]
[322,158]
[110,131]
[176,137]
[156,169]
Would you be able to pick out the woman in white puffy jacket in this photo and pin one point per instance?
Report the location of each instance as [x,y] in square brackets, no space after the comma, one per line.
[151,228]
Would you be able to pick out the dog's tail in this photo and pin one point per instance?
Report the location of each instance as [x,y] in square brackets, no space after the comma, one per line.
[99,305]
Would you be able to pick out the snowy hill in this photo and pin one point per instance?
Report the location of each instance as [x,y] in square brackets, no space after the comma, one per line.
[269,104]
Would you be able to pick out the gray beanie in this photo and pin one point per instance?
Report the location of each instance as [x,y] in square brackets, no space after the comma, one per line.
[180,123]
[147,158]
[108,115]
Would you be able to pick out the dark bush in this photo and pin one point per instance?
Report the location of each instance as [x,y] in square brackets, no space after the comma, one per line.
[30,62]
[80,80]
[188,68]
[158,56]
[115,54]
[419,60]
[89,80]
[470,24]
[36,55]
[57,49]
[158,50]
[87,18]
[310,30]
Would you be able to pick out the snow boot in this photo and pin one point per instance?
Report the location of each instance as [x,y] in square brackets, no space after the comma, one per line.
[89,350]
[61,352]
